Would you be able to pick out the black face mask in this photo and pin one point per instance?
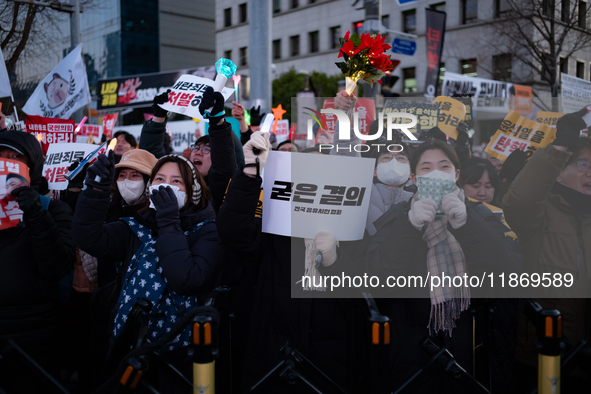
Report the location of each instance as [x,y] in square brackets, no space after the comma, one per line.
[578,201]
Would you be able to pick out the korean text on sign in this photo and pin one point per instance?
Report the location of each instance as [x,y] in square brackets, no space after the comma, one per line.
[13,174]
[305,194]
[517,132]
[59,157]
[427,114]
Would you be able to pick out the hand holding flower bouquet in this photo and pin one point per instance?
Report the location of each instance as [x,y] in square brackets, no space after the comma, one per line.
[364,59]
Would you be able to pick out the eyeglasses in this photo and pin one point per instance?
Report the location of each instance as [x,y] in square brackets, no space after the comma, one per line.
[205,149]
[583,165]
[398,157]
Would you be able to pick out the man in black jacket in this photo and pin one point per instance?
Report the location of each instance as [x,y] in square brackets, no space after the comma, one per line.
[35,256]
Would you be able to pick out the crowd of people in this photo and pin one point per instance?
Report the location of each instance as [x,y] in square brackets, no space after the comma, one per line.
[142,222]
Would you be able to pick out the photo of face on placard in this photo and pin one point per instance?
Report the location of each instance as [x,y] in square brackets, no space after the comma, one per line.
[10,183]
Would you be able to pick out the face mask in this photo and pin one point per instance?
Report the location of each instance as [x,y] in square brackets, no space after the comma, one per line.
[180,196]
[131,191]
[393,172]
[435,185]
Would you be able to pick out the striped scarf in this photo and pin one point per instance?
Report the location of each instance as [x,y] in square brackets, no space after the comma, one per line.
[445,256]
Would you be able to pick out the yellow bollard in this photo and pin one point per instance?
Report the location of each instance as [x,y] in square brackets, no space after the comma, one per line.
[549,355]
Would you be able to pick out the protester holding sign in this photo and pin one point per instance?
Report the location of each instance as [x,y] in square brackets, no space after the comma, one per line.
[549,208]
[35,256]
[418,236]
[313,326]
[175,241]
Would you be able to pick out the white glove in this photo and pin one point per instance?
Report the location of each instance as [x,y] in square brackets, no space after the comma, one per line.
[422,212]
[90,265]
[455,210]
[259,141]
[326,244]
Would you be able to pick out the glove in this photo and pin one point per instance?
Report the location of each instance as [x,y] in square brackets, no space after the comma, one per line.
[160,99]
[29,202]
[437,134]
[212,99]
[422,212]
[259,141]
[78,181]
[568,129]
[237,111]
[90,265]
[455,209]
[167,207]
[513,165]
[256,117]
[326,244]
[104,169]
[463,138]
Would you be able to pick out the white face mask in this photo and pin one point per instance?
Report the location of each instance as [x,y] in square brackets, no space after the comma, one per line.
[180,196]
[436,174]
[393,172]
[131,191]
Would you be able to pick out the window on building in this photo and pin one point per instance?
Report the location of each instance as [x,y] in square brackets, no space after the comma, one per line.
[410,80]
[295,3]
[228,54]
[242,12]
[548,8]
[335,34]
[386,21]
[243,56]
[502,67]
[563,65]
[468,67]
[276,49]
[581,70]
[227,17]
[582,14]
[438,7]
[357,26]
[294,43]
[564,10]
[502,7]
[469,11]
[276,6]
[312,2]
[313,41]
[409,21]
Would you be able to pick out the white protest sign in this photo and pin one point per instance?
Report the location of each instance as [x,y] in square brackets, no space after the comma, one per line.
[575,93]
[87,131]
[186,93]
[58,159]
[304,194]
[282,130]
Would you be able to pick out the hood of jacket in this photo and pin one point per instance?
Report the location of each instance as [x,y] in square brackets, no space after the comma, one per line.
[27,145]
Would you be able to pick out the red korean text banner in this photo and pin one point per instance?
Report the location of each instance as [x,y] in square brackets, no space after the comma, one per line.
[13,174]
[366,110]
[50,130]
[109,122]
[435,33]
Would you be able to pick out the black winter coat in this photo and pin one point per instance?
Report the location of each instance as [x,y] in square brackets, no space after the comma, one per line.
[398,249]
[315,327]
[35,256]
[189,262]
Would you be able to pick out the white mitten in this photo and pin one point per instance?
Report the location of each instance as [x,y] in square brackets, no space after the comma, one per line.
[455,210]
[260,141]
[326,244]
[422,212]
[90,265]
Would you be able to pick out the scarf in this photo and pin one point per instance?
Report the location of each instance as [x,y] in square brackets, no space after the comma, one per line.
[445,256]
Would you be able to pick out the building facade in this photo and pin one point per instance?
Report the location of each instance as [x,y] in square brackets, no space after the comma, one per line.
[305,37]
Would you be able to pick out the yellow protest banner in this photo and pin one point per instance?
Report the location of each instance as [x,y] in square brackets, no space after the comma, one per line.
[548,118]
[451,114]
[427,114]
[518,132]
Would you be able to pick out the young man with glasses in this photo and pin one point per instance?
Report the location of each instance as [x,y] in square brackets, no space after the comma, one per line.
[549,208]
[200,156]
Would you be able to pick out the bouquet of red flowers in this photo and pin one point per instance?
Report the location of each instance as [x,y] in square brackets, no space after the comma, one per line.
[364,58]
